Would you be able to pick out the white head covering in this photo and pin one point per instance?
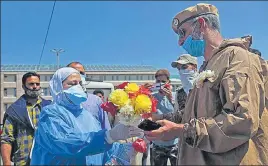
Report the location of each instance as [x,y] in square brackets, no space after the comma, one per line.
[55,83]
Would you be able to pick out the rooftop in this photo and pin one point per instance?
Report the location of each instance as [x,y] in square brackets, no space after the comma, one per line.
[143,68]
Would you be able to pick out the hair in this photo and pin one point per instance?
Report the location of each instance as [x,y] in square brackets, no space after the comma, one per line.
[98,91]
[254,51]
[75,63]
[212,20]
[27,75]
[162,72]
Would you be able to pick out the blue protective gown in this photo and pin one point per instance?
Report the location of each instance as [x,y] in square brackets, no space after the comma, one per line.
[66,137]
[119,154]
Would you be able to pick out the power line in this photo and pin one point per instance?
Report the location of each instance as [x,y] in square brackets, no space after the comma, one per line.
[46,34]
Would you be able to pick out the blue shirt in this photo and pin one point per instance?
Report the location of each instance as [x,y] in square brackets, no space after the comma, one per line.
[93,105]
[164,106]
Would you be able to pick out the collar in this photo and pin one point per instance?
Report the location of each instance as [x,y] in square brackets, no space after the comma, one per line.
[38,102]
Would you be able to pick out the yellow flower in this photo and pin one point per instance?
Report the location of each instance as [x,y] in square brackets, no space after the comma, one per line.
[142,104]
[132,88]
[119,98]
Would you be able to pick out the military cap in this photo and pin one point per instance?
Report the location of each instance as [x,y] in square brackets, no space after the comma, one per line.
[192,12]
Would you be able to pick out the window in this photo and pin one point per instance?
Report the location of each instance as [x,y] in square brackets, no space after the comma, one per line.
[45,77]
[132,77]
[10,78]
[10,92]
[121,77]
[95,77]
[109,78]
[46,92]
[6,105]
[87,75]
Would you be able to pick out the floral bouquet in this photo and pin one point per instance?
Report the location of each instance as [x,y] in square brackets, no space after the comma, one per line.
[131,103]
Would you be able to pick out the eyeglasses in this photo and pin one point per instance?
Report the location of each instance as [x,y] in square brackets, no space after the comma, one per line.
[33,83]
[181,33]
[183,67]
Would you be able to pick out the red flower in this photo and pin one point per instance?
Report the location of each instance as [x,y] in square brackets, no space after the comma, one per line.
[154,104]
[144,90]
[132,95]
[140,145]
[109,107]
[122,86]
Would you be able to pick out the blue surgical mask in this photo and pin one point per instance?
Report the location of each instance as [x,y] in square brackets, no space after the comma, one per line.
[75,95]
[187,79]
[195,48]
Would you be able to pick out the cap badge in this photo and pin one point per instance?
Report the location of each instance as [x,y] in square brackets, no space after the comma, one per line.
[175,21]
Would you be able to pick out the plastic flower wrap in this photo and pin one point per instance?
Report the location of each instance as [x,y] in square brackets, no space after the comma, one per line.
[119,98]
[127,116]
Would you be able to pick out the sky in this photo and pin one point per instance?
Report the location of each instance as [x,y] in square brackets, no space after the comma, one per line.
[115,32]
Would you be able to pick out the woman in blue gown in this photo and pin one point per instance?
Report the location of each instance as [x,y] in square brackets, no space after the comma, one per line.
[66,132]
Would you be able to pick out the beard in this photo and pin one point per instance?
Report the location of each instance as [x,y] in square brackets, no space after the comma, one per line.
[32,93]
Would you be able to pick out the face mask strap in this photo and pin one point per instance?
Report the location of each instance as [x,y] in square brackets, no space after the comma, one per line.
[195,35]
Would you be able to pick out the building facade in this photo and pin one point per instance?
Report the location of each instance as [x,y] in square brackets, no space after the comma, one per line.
[11,76]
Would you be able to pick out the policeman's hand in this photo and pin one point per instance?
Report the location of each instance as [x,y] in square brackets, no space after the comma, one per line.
[167,132]
[122,132]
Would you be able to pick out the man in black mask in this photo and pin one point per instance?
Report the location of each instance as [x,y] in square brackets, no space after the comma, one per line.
[20,122]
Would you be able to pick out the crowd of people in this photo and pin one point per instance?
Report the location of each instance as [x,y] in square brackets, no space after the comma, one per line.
[219,115]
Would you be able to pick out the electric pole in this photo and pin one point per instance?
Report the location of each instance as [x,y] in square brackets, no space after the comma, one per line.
[57,52]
